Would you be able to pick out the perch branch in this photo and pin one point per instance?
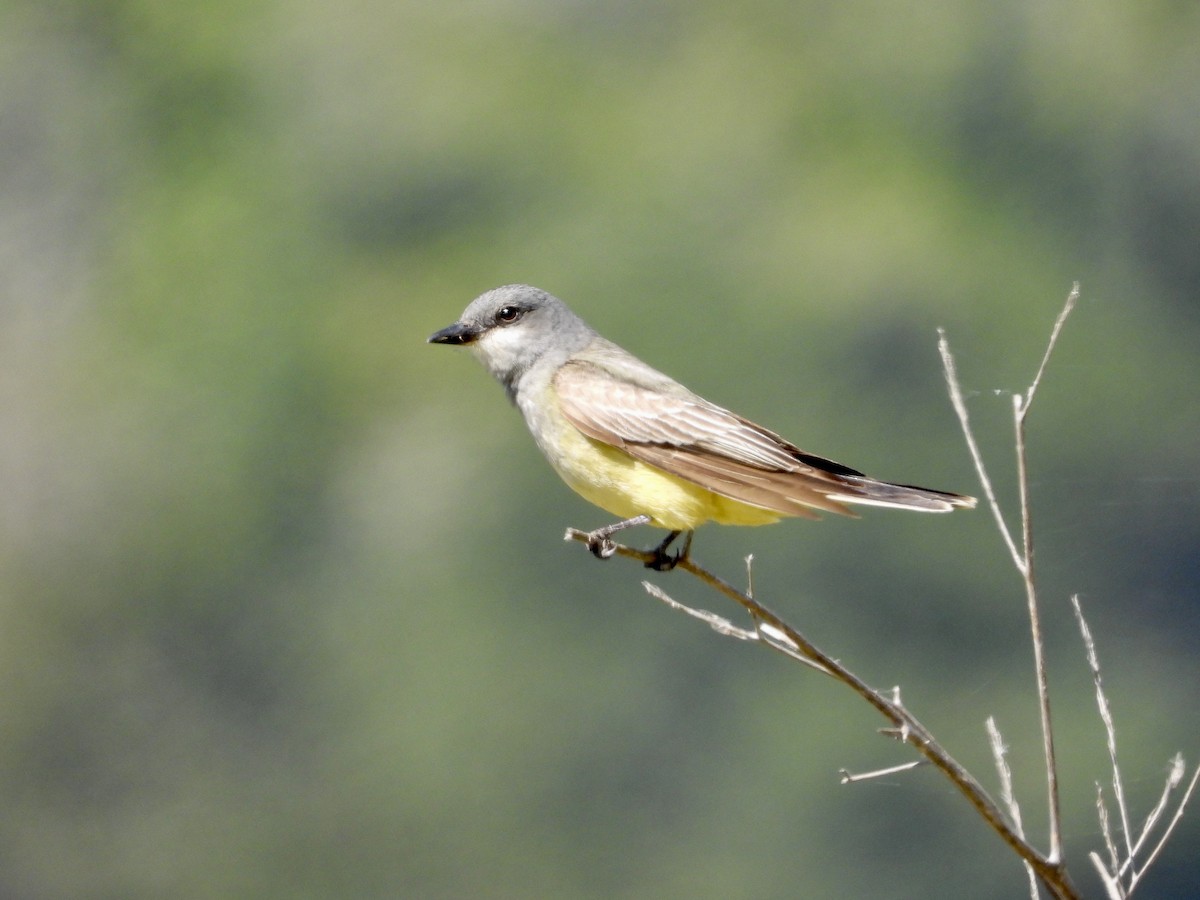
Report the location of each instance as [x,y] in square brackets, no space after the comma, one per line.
[906,726]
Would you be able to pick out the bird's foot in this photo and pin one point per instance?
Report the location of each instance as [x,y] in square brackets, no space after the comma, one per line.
[601,545]
[663,561]
[600,541]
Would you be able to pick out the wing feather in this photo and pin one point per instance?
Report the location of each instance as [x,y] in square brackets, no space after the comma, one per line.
[619,412]
[660,422]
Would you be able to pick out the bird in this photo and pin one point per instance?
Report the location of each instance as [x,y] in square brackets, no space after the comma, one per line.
[640,445]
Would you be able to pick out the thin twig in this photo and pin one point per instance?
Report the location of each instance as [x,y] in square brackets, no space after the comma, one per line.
[1113,878]
[1174,777]
[1039,647]
[1111,885]
[1123,876]
[1110,728]
[849,777]
[1187,795]
[1072,299]
[1007,797]
[964,419]
[1035,622]
[763,632]
[717,623]
[999,756]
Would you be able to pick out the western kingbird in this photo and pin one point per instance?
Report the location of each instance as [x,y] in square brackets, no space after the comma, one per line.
[642,446]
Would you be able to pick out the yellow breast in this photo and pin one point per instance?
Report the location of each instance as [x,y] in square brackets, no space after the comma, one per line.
[627,487]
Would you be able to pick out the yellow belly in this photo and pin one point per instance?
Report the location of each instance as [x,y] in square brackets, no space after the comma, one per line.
[627,487]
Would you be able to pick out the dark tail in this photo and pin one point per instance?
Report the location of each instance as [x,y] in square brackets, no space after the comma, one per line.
[869,492]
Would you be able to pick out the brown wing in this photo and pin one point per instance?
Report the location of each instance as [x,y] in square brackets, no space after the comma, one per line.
[669,427]
[687,436]
[790,493]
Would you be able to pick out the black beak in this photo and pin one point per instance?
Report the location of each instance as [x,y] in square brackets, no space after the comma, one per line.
[458,333]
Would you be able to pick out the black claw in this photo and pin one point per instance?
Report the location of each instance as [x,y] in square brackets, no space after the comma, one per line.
[602,547]
[601,543]
[664,561]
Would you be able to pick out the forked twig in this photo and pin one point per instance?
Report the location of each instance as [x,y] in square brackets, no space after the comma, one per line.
[1022,558]
[1121,877]
[964,418]
[1167,832]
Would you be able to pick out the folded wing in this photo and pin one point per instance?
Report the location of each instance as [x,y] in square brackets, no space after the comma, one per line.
[667,426]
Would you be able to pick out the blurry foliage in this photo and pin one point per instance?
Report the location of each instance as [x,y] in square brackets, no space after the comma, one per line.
[283,605]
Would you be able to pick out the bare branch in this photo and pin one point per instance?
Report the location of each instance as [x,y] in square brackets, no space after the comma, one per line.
[719,624]
[1123,876]
[1110,728]
[1111,879]
[763,632]
[1000,755]
[849,777]
[1052,873]
[964,421]
[1022,558]
[1174,777]
[1072,299]
[1187,795]
[1021,412]
[1111,885]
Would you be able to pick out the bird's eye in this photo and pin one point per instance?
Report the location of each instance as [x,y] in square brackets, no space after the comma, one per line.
[506,315]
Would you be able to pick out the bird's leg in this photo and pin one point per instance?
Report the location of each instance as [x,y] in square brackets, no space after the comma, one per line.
[664,561]
[600,541]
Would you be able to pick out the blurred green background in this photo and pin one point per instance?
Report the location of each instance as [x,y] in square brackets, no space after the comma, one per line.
[284,605]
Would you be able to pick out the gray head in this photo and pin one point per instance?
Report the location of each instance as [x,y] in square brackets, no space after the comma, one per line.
[514,327]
